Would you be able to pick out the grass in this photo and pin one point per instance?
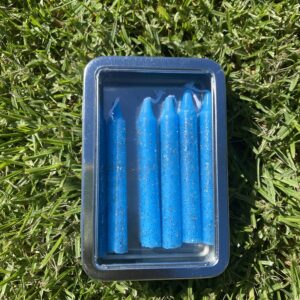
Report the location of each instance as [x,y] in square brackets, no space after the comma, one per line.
[44,46]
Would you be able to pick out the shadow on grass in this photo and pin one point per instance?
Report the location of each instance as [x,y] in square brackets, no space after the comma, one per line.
[239,276]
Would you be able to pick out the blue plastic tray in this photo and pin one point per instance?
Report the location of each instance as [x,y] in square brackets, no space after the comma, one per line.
[118,242]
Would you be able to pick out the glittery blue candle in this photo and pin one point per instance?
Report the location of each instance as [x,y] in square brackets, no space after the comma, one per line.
[206,170]
[116,179]
[102,216]
[189,164]
[170,175]
[148,178]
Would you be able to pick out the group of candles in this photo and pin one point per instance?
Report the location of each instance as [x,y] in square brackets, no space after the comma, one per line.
[175,175]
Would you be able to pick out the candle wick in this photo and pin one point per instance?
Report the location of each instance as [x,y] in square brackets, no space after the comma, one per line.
[159,94]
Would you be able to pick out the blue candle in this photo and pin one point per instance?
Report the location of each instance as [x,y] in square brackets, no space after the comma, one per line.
[148,180]
[189,164]
[206,170]
[170,175]
[102,207]
[116,182]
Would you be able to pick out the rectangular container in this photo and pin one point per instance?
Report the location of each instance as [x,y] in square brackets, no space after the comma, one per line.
[126,81]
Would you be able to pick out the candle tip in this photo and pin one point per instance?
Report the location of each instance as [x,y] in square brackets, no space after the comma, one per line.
[146,108]
[187,101]
[168,105]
